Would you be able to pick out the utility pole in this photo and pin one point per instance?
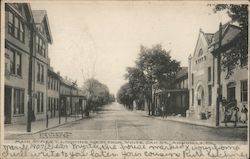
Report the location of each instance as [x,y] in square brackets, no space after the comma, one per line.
[29,115]
[218,78]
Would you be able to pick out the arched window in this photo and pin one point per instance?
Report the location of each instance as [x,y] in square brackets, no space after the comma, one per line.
[200,53]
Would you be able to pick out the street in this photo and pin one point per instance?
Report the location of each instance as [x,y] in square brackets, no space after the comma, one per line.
[114,122]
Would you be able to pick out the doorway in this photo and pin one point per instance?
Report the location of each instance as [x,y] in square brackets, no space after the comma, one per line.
[7,105]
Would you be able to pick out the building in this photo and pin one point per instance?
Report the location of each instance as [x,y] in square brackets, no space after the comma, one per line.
[18,16]
[72,98]
[53,89]
[27,38]
[203,76]
[65,96]
[41,38]
[175,99]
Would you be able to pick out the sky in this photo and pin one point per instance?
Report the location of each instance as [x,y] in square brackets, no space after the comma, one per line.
[102,38]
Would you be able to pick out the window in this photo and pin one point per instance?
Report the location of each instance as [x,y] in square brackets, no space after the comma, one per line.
[209,74]
[40,73]
[48,82]
[11,23]
[18,101]
[51,84]
[15,27]
[15,62]
[244,61]
[200,53]
[37,42]
[192,96]
[231,91]
[192,79]
[243,91]
[48,104]
[209,95]
[18,64]
[12,61]
[40,46]
[40,102]
[57,103]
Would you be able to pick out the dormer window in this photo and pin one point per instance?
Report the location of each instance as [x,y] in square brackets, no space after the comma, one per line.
[200,53]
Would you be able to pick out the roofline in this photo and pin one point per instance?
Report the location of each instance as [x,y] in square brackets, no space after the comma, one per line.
[50,35]
[48,26]
[200,32]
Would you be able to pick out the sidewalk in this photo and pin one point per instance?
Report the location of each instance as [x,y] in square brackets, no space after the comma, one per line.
[38,125]
[193,121]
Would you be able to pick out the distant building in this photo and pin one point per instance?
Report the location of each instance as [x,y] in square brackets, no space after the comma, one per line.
[72,98]
[203,75]
[53,86]
[175,99]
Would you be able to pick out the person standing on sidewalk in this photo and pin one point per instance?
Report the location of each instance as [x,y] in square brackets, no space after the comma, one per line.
[224,104]
[234,118]
[163,111]
[243,116]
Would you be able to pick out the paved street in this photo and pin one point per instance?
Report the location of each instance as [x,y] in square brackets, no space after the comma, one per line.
[114,122]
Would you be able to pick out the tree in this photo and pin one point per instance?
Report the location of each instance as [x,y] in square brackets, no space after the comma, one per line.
[158,68]
[124,95]
[239,52]
[97,94]
[154,68]
[111,98]
[138,84]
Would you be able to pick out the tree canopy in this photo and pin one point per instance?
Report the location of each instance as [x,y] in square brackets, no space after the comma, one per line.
[154,67]
[97,93]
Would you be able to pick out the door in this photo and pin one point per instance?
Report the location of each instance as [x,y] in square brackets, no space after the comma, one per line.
[7,105]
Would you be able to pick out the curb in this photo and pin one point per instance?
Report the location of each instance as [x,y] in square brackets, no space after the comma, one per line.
[31,133]
[56,126]
[186,122]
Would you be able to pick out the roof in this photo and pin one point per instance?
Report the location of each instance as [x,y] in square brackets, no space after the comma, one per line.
[229,33]
[209,37]
[39,16]
[67,82]
[182,72]
[216,34]
[51,71]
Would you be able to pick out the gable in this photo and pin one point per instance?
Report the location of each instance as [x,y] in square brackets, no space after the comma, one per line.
[42,23]
[200,44]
